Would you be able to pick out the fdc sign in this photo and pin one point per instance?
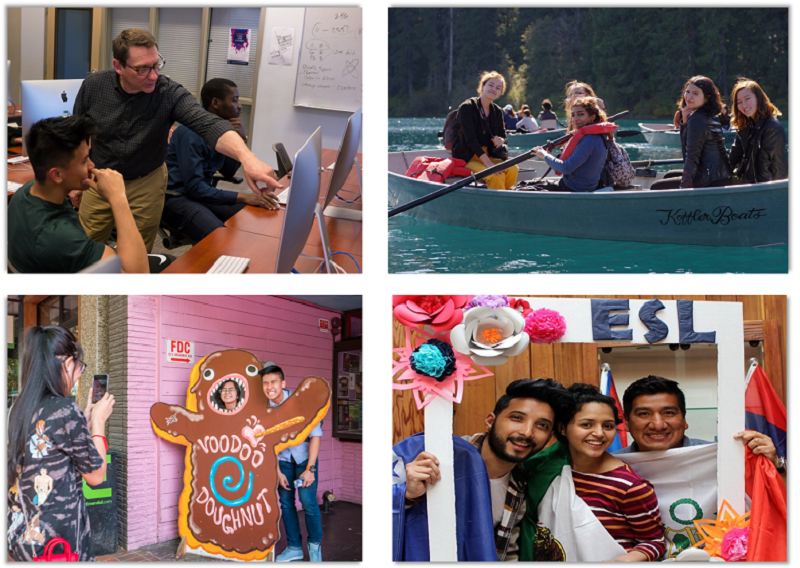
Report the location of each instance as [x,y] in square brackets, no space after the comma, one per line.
[180,351]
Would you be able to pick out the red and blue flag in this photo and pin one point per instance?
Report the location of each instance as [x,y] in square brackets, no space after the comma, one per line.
[764,411]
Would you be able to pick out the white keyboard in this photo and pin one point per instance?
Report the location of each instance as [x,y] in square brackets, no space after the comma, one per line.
[229,265]
[283,196]
[13,186]
[18,160]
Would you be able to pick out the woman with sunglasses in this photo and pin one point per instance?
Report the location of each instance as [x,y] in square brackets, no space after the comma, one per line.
[52,444]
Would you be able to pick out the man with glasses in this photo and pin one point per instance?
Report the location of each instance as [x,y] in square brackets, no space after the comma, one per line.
[134,107]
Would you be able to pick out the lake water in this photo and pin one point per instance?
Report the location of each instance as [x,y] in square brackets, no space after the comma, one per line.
[423,246]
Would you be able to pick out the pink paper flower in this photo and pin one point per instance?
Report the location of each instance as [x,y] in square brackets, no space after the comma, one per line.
[442,313]
[545,326]
[427,388]
[734,545]
[522,306]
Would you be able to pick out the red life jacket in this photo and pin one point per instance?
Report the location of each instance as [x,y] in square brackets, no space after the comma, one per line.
[600,128]
[437,169]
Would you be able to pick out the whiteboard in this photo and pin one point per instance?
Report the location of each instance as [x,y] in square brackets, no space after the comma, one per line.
[330,67]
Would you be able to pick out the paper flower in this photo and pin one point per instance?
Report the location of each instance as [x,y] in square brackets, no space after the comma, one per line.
[522,306]
[427,388]
[442,313]
[734,545]
[713,532]
[545,326]
[434,359]
[490,336]
[488,301]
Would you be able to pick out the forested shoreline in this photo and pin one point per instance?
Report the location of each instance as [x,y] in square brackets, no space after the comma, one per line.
[635,58]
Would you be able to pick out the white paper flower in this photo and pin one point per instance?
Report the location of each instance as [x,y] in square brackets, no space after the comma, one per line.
[490,335]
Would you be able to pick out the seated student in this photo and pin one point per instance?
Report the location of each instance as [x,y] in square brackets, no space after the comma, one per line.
[547,118]
[527,123]
[202,208]
[44,232]
[489,510]
[582,161]
[624,503]
[759,151]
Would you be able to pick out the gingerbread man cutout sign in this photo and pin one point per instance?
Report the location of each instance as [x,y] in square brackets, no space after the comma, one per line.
[229,504]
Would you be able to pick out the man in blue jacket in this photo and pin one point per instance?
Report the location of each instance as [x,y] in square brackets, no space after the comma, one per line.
[202,208]
[489,482]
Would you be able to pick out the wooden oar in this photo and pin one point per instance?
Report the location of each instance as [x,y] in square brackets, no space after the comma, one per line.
[489,171]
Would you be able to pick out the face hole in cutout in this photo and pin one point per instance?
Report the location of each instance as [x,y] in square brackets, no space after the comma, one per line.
[242,385]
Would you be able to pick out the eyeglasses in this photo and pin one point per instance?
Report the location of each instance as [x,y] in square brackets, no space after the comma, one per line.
[144,71]
[228,390]
[83,365]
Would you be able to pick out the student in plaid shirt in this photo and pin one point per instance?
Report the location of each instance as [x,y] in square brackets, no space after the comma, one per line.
[520,426]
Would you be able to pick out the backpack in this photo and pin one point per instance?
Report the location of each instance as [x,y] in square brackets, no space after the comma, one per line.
[618,171]
[451,131]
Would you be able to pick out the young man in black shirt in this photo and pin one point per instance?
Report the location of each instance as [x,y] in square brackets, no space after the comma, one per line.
[44,232]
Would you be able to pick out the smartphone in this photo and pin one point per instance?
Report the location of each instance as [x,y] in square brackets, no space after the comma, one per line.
[100,387]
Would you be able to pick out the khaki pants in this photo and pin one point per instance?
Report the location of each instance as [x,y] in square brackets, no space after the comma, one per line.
[146,200]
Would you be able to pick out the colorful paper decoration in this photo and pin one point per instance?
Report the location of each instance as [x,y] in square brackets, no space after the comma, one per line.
[427,388]
[545,326]
[442,313]
[714,533]
[490,336]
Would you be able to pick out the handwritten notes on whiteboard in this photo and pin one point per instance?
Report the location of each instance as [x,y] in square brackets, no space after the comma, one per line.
[330,69]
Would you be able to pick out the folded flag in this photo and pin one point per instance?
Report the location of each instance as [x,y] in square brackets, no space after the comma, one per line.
[608,388]
[764,411]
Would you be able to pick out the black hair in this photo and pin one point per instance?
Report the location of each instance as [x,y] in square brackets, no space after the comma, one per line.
[215,89]
[713,104]
[218,394]
[40,377]
[273,370]
[548,391]
[546,104]
[51,142]
[583,393]
[648,385]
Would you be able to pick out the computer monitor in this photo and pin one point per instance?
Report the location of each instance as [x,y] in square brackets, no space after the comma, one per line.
[46,99]
[347,154]
[303,197]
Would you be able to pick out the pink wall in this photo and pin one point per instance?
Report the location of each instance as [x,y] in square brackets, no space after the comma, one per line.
[274,330]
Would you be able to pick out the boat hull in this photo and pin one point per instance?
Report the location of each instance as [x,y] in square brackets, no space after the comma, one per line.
[736,216]
[672,138]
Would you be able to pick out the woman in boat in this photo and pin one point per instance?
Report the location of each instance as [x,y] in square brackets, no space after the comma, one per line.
[705,159]
[759,151]
[510,118]
[582,161]
[547,118]
[482,140]
[625,504]
[527,123]
[575,90]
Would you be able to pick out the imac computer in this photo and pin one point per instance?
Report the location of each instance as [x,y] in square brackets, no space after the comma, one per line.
[341,169]
[46,99]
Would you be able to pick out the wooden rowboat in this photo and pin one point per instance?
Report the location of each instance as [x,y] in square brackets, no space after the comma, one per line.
[751,215]
[668,135]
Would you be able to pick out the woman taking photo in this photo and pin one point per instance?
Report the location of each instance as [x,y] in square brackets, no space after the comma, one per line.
[50,448]
[759,151]
[483,133]
[705,159]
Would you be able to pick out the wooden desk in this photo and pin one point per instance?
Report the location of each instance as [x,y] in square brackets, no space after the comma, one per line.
[262,226]
[261,250]
[20,173]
